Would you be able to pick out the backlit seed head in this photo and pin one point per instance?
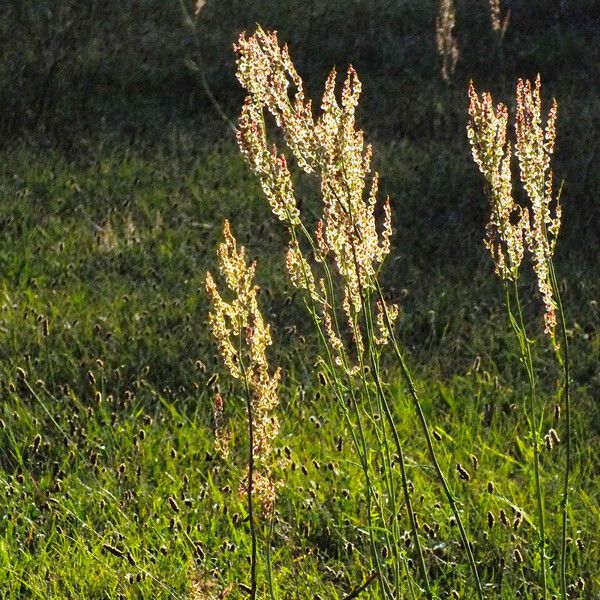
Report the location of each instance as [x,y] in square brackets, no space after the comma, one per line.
[509,223]
[534,149]
[518,520]
[463,473]
[447,44]
[556,412]
[174,505]
[518,556]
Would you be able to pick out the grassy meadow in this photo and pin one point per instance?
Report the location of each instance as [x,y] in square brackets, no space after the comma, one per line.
[110,485]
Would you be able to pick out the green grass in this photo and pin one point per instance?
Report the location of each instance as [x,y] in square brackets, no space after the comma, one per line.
[123,410]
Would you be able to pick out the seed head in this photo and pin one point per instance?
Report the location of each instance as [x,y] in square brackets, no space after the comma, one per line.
[446,40]
[534,149]
[509,222]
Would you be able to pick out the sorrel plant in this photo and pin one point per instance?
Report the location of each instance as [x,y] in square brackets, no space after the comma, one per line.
[512,232]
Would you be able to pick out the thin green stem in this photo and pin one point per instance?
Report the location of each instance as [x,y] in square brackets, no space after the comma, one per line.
[268,555]
[404,478]
[564,360]
[253,556]
[431,450]
[360,441]
[534,426]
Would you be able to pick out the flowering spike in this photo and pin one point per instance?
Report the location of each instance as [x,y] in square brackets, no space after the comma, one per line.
[509,222]
[534,149]
[246,360]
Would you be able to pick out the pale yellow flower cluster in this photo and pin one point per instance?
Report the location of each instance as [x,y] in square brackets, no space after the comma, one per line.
[509,223]
[498,24]
[446,40]
[222,432]
[390,312]
[511,226]
[333,148]
[266,71]
[534,148]
[243,337]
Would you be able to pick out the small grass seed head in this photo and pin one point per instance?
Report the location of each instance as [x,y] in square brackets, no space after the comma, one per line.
[490,519]
[429,531]
[490,487]
[554,436]
[518,556]
[113,550]
[556,412]
[518,520]
[436,435]
[463,473]
[548,442]
[35,446]
[503,517]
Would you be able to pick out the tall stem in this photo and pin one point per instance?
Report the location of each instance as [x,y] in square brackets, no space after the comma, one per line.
[525,344]
[253,557]
[268,556]
[431,450]
[564,360]
[406,492]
